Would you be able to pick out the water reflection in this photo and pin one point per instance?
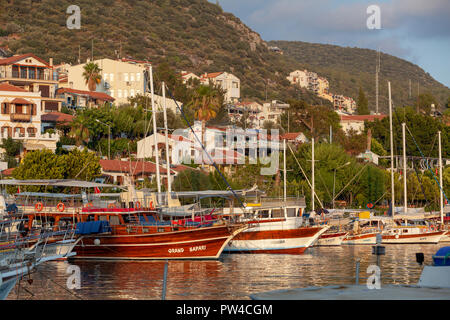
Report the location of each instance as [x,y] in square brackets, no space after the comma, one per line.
[234,276]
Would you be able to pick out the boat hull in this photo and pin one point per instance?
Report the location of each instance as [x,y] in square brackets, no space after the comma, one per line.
[6,286]
[366,238]
[429,237]
[446,237]
[283,241]
[332,239]
[198,243]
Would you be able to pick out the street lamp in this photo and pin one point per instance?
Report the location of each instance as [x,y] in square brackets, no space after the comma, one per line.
[109,137]
[334,179]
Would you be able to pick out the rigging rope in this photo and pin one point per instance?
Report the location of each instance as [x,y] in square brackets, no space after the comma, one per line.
[429,169]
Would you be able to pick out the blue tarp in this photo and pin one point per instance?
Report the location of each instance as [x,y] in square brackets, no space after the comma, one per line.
[92,227]
[442,257]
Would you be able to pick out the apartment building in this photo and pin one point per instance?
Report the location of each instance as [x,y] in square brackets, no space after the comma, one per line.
[227,81]
[120,79]
[272,111]
[343,103]
[32,74]
[20,118]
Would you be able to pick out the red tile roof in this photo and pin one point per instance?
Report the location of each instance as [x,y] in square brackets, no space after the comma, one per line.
[10,87]
[133,167]
[290,135]
[211,75]
[369,117]
[8,172]
[178,138]
[14,59]
[93,94]
[57,117]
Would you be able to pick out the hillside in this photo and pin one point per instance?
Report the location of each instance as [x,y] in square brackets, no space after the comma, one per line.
[349,68]
[192,35]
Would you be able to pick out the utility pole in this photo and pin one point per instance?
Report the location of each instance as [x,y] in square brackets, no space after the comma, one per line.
[376,81]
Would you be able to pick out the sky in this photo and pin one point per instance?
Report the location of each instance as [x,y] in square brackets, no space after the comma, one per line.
[414,30]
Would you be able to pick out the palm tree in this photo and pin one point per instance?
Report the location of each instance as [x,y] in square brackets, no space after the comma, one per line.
[92,75]
[79,130]
[206,103]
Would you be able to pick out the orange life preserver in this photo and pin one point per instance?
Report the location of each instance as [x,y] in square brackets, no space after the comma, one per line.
[138,205]
[39,206]
[89,205]
[61,207]
[111,206]
[151,205]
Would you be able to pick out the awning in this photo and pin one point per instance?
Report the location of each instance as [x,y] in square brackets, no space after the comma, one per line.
[33,146]
[21,101]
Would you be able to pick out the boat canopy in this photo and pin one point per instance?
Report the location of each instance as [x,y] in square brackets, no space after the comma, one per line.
[213,193]
[57,183]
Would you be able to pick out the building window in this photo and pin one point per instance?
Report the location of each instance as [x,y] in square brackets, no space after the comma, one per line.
[125,93]
[131,76]
[111,77]
[111,93]
[138,76]
[105,77]
[125,77]
[31,132]
[119,93]
[132,93]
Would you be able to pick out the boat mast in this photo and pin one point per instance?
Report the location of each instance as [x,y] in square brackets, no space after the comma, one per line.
[392,150]
[405,194]
[284,162]
[441,193]
[312,170]
[169,183]
[155,132]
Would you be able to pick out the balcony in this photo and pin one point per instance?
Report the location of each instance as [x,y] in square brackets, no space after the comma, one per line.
[20,117]
[31,76]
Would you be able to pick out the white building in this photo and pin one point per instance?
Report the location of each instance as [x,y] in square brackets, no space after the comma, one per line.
[299,77]
[272,111]
[20,118]
[356,122]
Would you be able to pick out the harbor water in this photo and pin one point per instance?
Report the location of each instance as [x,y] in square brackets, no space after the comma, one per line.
[233,276]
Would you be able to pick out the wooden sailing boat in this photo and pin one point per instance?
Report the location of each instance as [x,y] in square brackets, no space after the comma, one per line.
[275,227]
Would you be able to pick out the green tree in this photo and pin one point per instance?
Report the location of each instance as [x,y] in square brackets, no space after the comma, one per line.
[363,104]
[44,164]
[12,150]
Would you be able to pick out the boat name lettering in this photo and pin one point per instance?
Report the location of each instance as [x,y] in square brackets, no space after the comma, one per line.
[176,250]
[197,248]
